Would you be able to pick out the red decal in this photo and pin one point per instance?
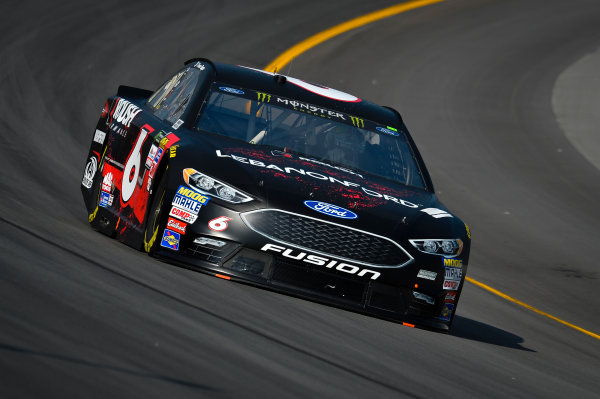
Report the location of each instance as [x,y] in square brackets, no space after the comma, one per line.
[176,225]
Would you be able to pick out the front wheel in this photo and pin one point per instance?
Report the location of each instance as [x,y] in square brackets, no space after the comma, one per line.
[154,215]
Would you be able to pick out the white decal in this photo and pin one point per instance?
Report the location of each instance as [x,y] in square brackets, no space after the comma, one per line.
[182,214]
[453,273]
[177,124]
[451,285]
[320,90]
[150,157]
[132,166]
[124,112]
[317,260]
[107,182]
[219,224]
[426,274]
[176,225]
[436,213]
[99,136]
[89,172]
[318,176]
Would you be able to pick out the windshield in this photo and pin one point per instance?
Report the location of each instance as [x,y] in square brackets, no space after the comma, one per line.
[318,133]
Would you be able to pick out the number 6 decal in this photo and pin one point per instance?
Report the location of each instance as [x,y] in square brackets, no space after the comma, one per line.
[219,224]
[132,166]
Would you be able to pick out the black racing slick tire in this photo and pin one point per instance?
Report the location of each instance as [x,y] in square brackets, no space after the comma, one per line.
[151,232]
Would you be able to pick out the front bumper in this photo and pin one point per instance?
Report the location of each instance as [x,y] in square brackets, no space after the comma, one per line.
[240,255]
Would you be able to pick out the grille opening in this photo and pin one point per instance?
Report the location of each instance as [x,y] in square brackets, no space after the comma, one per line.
[210,253]
[326,238]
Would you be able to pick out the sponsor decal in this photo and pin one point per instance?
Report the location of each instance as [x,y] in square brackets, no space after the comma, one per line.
[453,273]
[149,184]
[387,130]
[90,171]
[231,90]
[107,182]
[189,200]
[219,224]
[124,112]
[446,311]
[168,140]
[177,124]
[331,210]
[158,155]
[320,261]
[450,297]
[311,109]
[173,151]
[170,240]
[426,274]
[452,262]
[106,199]
[176,225]
[331,166]
[356,121]
[161,135]
[150,157]
[318,176]
[279,153]
[451,285]
[154,163]
[263,97]
[436,213]
[468,231]
[182,214]
[200,66]
[99,136]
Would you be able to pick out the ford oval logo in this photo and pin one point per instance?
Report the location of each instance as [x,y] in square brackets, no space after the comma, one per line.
[331,210]
[231,90]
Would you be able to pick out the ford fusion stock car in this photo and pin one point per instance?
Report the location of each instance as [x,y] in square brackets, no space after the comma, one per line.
[267,179]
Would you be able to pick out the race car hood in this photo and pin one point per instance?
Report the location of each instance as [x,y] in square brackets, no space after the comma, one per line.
[298,184]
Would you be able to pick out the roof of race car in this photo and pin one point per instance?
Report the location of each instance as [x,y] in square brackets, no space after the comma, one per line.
[300,90]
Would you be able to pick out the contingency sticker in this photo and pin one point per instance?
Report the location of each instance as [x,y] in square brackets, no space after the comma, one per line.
[170,240]
[189,200]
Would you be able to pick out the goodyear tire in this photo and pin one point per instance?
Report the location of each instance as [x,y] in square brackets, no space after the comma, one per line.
[152,230]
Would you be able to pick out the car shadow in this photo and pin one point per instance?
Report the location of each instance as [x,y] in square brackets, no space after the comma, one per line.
[466,328]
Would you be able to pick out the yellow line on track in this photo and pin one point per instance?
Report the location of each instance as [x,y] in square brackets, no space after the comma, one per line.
[287,56]
[526,306]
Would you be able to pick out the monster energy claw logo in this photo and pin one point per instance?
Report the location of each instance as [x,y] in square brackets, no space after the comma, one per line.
[263,97]
[356,121]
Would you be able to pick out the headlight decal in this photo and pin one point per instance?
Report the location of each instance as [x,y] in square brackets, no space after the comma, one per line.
[213,187]
[439,246]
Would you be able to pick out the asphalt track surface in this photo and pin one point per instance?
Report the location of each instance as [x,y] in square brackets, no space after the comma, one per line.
[82,315]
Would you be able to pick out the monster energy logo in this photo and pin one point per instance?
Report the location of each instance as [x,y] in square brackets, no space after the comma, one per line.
[263,97]
[356,121]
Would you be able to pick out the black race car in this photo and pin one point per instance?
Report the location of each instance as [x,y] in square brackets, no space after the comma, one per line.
[273,181]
